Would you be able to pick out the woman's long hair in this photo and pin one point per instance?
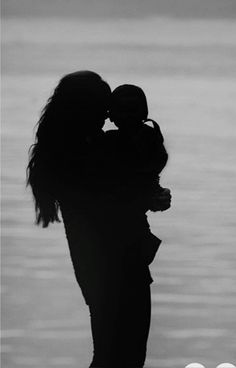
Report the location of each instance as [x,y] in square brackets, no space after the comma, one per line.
[77,107]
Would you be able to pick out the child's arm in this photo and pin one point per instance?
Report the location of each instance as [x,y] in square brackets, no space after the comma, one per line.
[153,157]
[151,153]
[158,153]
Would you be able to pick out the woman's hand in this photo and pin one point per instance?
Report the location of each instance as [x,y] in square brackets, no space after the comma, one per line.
[161,201]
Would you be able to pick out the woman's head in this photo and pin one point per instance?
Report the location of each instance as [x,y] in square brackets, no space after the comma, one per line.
[128,106]
[85,93]
[77,109]
[79,104]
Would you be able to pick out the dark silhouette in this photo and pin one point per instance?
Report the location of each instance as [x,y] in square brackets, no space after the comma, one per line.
[140,156]
[71,168]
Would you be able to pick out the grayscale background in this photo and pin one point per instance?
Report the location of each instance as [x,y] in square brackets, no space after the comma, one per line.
[183,54]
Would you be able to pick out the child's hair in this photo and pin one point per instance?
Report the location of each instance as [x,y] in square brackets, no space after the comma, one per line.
[78,105]
[127,99]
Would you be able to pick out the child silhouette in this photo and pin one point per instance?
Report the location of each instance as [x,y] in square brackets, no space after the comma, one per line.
[140,154]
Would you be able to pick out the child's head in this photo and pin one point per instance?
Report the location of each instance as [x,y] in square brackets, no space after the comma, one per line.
[128,106]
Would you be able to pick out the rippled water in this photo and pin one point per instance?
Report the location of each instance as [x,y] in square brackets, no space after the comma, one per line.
[190,84]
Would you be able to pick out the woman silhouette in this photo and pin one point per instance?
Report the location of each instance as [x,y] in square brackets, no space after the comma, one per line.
[69,169]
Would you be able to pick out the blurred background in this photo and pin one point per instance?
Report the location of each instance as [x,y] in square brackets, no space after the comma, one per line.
[183,54]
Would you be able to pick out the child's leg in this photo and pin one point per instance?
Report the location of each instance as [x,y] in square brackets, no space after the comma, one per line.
[148,247]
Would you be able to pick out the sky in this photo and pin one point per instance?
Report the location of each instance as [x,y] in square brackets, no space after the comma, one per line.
[119,9]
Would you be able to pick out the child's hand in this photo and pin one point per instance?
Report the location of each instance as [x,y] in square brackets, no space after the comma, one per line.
[161,201]
[165,199]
